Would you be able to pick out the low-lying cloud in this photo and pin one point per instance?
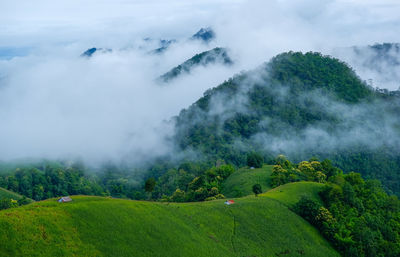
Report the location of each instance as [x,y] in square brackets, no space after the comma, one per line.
[55,104]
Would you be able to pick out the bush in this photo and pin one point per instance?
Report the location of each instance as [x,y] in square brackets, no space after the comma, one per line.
[308,209]
[257,189]
[255,160]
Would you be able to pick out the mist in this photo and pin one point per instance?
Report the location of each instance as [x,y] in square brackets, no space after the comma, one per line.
[55,104]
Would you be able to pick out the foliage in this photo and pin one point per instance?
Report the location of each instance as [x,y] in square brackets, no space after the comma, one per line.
[50,180]
[358,217]
[255,160]
[149,185]
[241,181]
[285,171]
[257,189]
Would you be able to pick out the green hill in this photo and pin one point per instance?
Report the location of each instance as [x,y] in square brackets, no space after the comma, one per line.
[290,194]
[96,226]
[301,105]
[6,194]
[240,183]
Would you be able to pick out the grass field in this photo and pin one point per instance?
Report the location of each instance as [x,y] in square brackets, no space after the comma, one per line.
[240,183]
[96,226]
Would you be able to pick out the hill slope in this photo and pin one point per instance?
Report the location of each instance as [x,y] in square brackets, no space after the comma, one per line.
[6,194]
[290,194]
[240,183]
[95,226]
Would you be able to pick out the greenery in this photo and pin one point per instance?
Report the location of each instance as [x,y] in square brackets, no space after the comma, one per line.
[287,99]
[206,186]
[241,181]
[357,216]
[50,180]
[255,160]
[97,226]
[10,199]
[149,185]
[257,189]
[289,194]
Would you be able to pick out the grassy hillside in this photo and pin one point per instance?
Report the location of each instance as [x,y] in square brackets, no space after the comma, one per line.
[290,194]
[240,183]
[6,194]
[96,226]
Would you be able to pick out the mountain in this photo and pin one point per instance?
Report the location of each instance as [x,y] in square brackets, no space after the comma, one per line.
[164,45]
[96,226]
[204,34]
[89,53]
[300,105]
[214,56]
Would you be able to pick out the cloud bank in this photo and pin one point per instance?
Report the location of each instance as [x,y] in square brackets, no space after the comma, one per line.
[55,104]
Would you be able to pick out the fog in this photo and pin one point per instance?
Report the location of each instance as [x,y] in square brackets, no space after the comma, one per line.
[55,104]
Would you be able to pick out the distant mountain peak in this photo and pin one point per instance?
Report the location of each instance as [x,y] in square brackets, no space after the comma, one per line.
[204,34]
[88,53]
[216,55]
[164,45]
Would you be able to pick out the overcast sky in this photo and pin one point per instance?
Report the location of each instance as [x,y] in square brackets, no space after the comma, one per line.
[54,104]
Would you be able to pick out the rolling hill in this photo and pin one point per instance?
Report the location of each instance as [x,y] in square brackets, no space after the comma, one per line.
[96,226]
[290,194]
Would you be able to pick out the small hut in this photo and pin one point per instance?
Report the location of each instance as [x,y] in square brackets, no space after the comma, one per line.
[229,202]
[65,199]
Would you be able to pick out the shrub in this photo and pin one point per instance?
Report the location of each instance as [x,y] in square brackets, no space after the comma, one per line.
[257,189]
[255,160]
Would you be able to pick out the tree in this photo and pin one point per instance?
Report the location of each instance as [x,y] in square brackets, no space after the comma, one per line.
[149,185]
[255,160]
[257,189]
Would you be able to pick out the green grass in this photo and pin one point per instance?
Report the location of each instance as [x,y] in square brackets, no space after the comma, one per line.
[4,193]
[289,194]
[240,183]
[96,226]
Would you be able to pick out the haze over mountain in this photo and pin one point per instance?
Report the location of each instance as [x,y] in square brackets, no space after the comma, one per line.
[52,100]
[379,64]
[290,107]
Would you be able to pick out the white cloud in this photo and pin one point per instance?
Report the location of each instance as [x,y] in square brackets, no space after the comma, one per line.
[55,104]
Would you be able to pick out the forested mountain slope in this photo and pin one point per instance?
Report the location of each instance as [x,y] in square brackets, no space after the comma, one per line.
[300,105]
